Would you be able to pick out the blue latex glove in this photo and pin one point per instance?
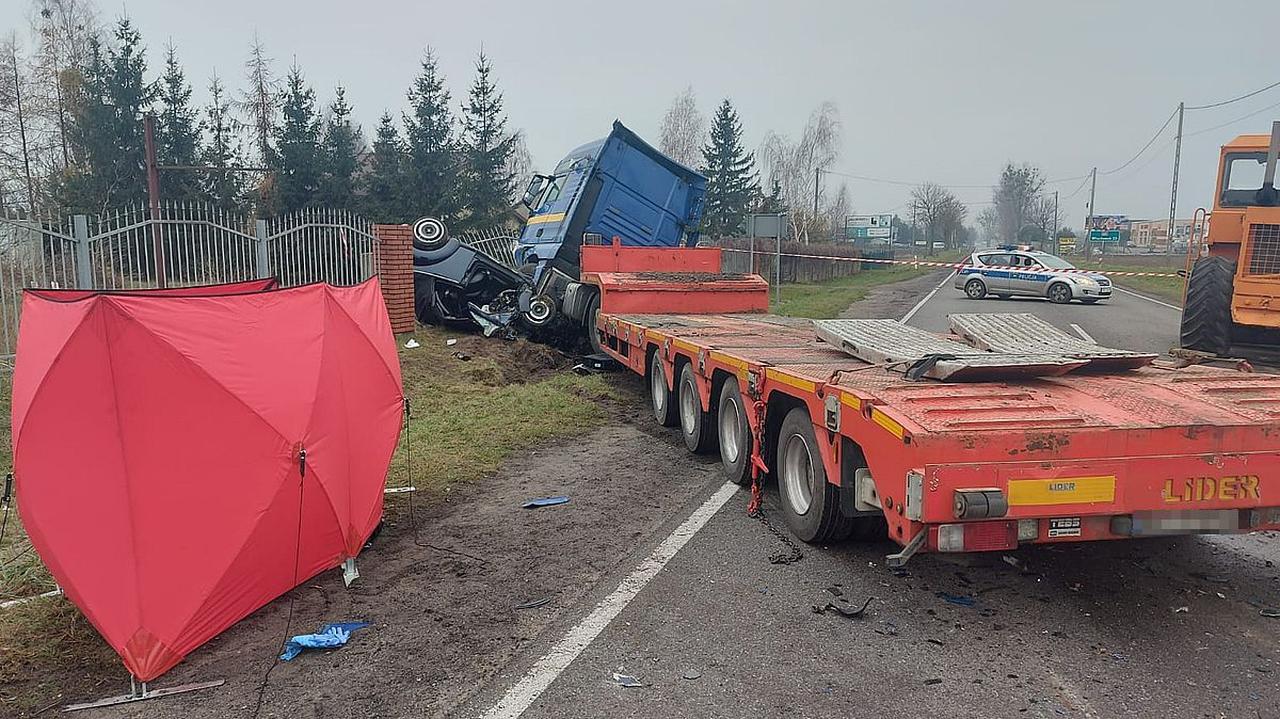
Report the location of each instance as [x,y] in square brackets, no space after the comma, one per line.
[329,636]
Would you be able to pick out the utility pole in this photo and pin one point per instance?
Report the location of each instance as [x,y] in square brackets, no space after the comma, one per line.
[1053,236]
[1088,222]
[817,177]
[1173,194]
[153,194]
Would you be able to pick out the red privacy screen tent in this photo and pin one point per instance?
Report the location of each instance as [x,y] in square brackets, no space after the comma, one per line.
[183,457]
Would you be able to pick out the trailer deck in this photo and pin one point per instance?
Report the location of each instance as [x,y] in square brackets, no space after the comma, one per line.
[963,466]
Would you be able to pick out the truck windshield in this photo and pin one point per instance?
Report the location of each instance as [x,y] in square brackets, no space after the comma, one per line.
[1242,178]
[551,194]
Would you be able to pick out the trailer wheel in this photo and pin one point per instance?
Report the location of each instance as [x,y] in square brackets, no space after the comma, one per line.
[734,433]
[697,426]
[589,320]
[663,399]
[1206,316]
[810,504]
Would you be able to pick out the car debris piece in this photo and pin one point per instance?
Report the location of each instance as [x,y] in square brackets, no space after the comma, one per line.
[841,604]
[691,675]
[1270,612]
[544,502]
[463,356]
[962,600]
[626,680]
[1182,610]
[535,603]
[451,342]
[330,636]
[412,344]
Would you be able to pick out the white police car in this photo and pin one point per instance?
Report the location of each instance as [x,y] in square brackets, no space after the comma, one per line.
[1008,271]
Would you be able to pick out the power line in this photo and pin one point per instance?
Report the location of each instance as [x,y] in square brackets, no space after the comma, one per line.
[1144,147]
[1234,99]
[1232,122]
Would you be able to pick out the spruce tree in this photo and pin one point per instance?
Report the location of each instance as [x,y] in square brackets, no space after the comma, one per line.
[432,168]
[341,155]
[297,145]
[177,132]
[384,193]
[223,188]
[130,97]
[486,151]
[731,179]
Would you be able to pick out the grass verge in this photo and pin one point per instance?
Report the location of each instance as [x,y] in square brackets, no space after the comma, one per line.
[1168,289]
[825,300]
[475,402]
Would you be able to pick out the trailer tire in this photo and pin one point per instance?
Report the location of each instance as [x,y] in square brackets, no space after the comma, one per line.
[662,399]
[733,433]
[698,426]
[810,504]
[589,323]
[1206,316]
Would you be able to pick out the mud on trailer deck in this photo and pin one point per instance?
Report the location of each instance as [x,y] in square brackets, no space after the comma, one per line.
[946,466]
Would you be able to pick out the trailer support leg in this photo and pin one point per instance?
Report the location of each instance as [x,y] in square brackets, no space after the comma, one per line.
[899,559]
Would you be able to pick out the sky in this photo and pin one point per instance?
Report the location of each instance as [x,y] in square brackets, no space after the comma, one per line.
[946,92]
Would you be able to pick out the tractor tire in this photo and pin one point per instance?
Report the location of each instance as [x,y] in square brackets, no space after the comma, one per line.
[734,433]
[1206,315]
[697,426]
[810,504]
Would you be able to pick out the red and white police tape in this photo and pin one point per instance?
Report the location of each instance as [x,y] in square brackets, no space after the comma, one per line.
[958,265]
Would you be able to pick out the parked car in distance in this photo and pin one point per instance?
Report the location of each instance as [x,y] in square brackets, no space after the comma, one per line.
[1007,272]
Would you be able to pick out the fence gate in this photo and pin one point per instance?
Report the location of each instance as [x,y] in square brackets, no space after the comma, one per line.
[200,245]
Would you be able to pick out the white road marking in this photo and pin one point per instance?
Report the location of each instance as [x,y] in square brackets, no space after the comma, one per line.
[545,671]
[1083,335]
[912,312]
[1148,299]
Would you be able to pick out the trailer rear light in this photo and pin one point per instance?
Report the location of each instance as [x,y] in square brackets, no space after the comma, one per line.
[1028,530]
[977,536]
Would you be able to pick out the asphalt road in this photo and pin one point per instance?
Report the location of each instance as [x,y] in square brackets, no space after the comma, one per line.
[1126,321]
[1152,628]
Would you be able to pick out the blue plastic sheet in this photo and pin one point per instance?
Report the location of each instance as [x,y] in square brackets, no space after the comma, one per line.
[329,636]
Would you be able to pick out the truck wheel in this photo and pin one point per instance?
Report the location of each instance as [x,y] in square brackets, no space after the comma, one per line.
[589,321]
[1206,315]
[697,426]
[975,289]
[810,504]
[424,300]
[663,399]
[734,433]
[1059,293]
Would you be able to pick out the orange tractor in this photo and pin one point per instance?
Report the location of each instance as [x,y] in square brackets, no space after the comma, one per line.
[1233,290]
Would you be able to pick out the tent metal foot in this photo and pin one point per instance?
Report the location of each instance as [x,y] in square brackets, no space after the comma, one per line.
[140,692]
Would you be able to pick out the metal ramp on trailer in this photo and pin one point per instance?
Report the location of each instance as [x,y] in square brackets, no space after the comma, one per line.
[1024,332]
[921,354]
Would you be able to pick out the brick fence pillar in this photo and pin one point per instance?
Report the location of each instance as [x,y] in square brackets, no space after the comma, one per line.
[395,273]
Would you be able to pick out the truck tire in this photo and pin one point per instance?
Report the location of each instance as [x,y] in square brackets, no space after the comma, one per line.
[734,433]
[662,399]
[424,300]
[697,425]
[810,504]
[589,324]
[1206,315]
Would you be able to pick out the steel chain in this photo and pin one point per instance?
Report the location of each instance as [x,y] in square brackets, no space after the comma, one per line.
[755,509]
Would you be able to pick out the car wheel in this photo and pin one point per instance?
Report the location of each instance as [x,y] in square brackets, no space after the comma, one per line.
[1059,293]
[734,433]
[975,289]
[810,504]
[696,424]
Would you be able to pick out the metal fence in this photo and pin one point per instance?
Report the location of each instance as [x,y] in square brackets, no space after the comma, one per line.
[197,244]
[499,243]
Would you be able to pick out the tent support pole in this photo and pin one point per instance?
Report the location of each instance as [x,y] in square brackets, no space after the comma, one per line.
[146,693]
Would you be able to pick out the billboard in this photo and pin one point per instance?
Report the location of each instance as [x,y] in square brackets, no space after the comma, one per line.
[862,227]
[1106,228]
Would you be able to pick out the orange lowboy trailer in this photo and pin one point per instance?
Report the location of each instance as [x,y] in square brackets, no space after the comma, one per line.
[856,448]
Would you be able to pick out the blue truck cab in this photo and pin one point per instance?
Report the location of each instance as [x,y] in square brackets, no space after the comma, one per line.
[618,186]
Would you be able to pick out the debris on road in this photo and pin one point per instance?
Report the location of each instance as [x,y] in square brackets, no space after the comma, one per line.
[451,342]
[544,502]
[691,675]
[1212,578]
[463,356]
[932,682]
[961,600]
[1270,612]
[1182,610]
[412,344]
[535,603]
[627,681]
[330,636]
[838,602]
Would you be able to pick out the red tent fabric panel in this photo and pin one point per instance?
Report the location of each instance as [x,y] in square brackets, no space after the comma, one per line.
[157,453]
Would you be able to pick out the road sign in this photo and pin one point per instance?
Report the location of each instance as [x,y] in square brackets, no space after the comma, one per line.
[862,227]
[771,226]
[1106,228]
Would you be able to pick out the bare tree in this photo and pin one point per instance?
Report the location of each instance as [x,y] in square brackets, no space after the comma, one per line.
[15,146]
[519,166]
[939,211]
[260,101]
[65,29]
[683,130]
[1014,198]
[837,208]
[795,167]
[1041,214]
[989,221]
